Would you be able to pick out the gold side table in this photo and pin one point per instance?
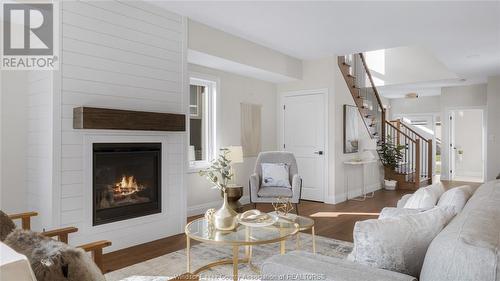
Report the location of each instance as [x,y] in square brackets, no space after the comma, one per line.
[304,223]
[242,236]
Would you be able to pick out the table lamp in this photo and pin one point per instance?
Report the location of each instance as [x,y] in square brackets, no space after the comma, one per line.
[236,156]
[367,147]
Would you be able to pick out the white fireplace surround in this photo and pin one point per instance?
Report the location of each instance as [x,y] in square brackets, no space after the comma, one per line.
[172,218]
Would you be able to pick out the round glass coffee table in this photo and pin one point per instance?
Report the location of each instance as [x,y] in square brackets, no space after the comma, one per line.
[242,236]
[304,223]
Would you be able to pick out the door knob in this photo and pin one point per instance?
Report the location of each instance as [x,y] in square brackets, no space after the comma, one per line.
[319,152]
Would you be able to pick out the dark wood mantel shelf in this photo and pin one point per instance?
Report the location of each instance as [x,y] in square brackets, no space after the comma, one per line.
[116,119]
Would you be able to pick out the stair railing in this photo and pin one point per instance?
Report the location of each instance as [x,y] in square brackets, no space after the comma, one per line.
[425,145]
[417,161]
[364,93]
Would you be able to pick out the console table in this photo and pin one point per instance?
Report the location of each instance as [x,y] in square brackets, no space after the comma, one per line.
[363,165]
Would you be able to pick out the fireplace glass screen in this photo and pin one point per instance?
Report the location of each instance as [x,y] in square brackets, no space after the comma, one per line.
[126,181]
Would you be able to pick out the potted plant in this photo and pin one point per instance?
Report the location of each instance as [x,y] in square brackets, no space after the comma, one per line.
[391,155]
[220,174]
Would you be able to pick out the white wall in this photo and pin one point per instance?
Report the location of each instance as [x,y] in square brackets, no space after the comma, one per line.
[325,74]
[462,97]
[391,66]
[14,127]
[493,139]
[422,105]
[468,132]
[234,90]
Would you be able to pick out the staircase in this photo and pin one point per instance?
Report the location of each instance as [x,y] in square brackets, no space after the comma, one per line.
[415,169]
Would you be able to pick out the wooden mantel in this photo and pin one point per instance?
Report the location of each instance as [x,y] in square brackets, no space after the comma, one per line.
[116,119]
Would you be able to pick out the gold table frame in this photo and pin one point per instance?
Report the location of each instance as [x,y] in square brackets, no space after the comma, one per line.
[235,261]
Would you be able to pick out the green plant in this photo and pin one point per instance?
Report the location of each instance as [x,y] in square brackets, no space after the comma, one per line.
[219,172]
[390,153]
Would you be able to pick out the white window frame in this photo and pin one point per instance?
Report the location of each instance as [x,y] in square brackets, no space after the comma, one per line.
[209,117]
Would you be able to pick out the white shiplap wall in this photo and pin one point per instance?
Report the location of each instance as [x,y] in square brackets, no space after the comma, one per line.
[40,147]
[123,55]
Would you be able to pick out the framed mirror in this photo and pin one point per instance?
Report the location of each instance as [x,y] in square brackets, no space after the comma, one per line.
[351,129]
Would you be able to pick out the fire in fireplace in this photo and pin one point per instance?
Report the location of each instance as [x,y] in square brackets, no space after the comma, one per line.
[126,181]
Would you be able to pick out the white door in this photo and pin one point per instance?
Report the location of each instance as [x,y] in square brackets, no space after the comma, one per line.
[304,122]
[466,145]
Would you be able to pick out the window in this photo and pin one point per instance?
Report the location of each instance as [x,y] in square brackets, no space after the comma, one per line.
[202,94]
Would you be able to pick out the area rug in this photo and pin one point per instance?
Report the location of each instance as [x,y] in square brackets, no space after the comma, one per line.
[173,264]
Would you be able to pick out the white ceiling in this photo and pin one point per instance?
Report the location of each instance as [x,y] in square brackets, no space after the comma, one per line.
[464,35]
[424,89]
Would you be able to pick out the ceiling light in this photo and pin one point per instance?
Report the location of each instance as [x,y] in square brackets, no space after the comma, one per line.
[473,56]
[411,95]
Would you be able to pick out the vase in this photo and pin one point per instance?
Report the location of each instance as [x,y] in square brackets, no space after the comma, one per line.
[225,217]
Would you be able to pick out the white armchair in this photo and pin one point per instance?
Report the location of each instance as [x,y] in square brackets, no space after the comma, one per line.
[269,194]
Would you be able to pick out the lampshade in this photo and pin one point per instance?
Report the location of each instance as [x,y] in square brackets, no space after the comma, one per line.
[235,154]
[367,145]
[191,153]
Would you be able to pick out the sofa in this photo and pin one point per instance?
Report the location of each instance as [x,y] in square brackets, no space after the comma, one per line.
[467,248]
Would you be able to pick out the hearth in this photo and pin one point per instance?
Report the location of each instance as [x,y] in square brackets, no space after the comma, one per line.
[126,181]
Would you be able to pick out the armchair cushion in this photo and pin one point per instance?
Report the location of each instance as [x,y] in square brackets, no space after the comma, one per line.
[6,225]
[274,191]
[52,260]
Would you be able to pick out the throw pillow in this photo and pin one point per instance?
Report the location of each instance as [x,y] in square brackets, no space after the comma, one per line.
[437,189]
[276,174]
[397,244]
[391,212]
[455,198]
[423,198]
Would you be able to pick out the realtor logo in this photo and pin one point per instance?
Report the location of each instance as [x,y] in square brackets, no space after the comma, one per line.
[28,36]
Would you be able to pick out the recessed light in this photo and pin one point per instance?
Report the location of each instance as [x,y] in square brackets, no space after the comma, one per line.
[411,95]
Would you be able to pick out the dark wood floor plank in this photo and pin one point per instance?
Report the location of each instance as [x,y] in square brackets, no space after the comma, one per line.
[332,221]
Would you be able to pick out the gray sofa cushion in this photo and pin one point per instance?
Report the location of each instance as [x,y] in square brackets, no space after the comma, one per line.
[274,191]
[468,248]
[300,265]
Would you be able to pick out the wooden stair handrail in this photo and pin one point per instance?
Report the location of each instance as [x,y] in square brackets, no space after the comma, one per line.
[371,81]
[410,129]
[399,131]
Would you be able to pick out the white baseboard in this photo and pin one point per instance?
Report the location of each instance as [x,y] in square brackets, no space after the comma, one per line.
[355,193]
[202,208]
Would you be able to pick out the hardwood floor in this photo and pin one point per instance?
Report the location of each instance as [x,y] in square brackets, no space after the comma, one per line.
[333,221]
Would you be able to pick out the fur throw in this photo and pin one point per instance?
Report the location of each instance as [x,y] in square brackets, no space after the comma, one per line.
[6,225]
[52,260]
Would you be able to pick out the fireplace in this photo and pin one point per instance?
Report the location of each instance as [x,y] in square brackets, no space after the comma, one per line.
[126,181]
